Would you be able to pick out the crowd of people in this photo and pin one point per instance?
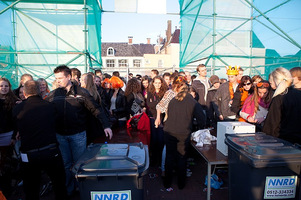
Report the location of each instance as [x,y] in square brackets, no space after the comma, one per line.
[54,126]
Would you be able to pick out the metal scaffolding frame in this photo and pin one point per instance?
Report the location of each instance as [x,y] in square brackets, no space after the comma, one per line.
[88,59]
[192,8]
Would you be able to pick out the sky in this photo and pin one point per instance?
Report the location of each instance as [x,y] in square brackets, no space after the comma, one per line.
[116,27]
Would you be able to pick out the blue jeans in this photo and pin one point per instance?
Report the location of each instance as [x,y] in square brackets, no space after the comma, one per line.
[72,147]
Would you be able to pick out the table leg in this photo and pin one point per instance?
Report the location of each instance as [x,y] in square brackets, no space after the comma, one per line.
[208,181]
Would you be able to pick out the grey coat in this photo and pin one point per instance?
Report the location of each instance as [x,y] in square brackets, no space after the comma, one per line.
[221,101]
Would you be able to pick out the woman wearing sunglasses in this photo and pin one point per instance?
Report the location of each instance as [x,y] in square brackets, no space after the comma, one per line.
[283,119]
[256,106]
[244,90]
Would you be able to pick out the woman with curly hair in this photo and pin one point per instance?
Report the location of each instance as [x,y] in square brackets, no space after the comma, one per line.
[181,111]
[156,91]
[7,101]
[134,99]
[118,103]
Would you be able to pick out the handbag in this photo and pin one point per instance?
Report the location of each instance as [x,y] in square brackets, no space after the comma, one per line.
[137,104]
[134,122]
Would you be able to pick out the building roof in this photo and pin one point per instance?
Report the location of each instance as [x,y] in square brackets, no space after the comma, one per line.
[125,49]
[175,38]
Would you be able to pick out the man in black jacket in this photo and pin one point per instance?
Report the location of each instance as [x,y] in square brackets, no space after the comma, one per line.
[35,121]
[73,104]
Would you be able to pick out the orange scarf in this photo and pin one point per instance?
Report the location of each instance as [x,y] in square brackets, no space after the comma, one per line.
[244,96]
[231,90]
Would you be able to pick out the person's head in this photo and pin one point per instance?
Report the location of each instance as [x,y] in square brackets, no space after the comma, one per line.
[154,73]
[158,86]
[182,73]
[296,74]
[173,75]
[282,79]
[145,82]
[240,73]
[193,77]
[62,75]
[188,76]
[31,88]
[232,73]
[262,92]
[223,80]
[256,79]
[214,80]
[5,87]
[43,85]
[83,80]
[133,86]
[24,78]
[116,73]
[98,73]
[202,71]
[75,74]
[178,82]
[166,77]
[192,91]
[139,77]
[131,75]
[180,87]
[21,94]
[246,83]
[116,82]
[106,84]
[97,81]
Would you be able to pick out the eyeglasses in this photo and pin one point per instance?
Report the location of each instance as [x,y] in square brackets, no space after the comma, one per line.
[263,84]
[245,84]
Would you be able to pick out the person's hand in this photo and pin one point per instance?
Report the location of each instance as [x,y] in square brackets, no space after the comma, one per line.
[108,132]
[221,117]
[252,120]
[157,122]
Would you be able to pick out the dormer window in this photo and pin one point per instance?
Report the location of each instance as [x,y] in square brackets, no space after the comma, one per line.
[110,51]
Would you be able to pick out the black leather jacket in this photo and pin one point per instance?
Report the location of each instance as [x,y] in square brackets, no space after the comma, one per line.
[72,109]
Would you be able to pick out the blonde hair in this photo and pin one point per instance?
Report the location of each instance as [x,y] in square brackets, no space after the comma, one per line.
[282,79]
[90,86]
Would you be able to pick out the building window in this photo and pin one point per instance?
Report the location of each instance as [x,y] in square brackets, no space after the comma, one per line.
[137,63]
[110,51]
[160,63]
[122,63]
[110,63]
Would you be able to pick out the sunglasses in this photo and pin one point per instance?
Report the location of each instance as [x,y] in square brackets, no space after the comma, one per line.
[247,84]
[263,84]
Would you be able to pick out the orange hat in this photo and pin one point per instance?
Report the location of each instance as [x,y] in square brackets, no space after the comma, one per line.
[232,70]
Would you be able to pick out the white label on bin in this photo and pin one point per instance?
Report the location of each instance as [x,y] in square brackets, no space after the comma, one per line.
[280,187]
[111,195]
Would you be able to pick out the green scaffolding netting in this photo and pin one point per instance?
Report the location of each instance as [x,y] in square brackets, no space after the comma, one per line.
[44,35]
[259,36]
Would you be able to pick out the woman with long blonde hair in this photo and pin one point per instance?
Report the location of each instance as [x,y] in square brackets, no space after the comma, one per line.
[181,111]
[283,119]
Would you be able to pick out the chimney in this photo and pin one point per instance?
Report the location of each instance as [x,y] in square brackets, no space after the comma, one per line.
[130,40]
[168,31]
[148,40]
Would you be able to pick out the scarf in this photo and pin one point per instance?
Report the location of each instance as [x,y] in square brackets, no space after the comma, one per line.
[231,90]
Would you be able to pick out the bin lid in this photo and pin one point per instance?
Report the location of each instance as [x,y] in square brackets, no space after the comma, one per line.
[113,158]
[264,148]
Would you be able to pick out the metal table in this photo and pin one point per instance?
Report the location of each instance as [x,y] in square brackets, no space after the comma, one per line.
[213,157]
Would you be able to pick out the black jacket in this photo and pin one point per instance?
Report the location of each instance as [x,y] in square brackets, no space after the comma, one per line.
[120,110]
[72,109]
[34,118]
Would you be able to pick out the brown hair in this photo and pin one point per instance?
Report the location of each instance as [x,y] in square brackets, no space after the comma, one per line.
[31,88]
[163,87]
[91,87]
[10,97]
[296,72]
[255,96]
[133,85]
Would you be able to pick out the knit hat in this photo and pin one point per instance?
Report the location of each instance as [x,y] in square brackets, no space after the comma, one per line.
[214,79]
